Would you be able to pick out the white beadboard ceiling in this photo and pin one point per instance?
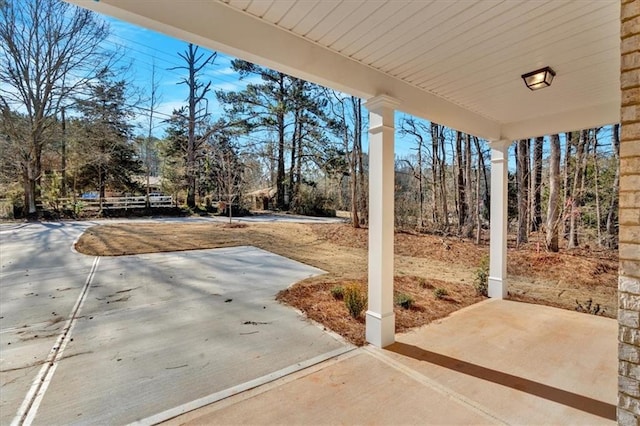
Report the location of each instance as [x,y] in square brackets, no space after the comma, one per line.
[457,62]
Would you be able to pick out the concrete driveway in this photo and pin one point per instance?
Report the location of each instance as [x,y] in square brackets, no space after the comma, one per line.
[120,339]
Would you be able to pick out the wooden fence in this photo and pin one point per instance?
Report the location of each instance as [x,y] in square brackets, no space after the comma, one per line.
[110,203]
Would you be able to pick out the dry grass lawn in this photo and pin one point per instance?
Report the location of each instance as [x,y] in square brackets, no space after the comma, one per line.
[424,263]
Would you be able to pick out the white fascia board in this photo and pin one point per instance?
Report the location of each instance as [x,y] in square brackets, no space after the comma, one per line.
[583,118]
[217,26]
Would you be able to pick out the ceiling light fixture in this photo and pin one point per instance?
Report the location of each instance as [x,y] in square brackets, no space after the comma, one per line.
[539,79]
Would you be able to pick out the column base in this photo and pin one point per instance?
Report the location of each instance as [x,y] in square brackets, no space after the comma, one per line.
[497,288]
[381,329]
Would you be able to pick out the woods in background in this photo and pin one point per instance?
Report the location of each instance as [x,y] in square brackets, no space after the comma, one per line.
[562,188]
[69,127]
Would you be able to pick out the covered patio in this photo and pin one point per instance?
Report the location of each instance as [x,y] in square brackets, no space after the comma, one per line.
[496,362]
[457,63]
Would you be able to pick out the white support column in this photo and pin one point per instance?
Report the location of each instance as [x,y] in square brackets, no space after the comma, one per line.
[380,320]
[499,218]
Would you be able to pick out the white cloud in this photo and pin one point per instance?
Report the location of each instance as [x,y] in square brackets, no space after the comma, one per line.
[226,86]
[222,71]
[166,108]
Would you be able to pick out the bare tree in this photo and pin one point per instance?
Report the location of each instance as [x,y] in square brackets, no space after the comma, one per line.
[411,126]
[347,125]
[154,101]
[439,175]
[553,209]
[196,114]
[49,50]
[227,172]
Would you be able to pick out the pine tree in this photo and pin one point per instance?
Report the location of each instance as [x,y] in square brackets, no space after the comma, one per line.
[110,157]
[288,107]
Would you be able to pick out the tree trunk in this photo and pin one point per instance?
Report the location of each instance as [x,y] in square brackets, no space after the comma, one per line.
[292,165]
[485,180]
[522,173]
[101,191]
[34,170]
[566,210]
[420,178]
[553,209]
[612,240]
[351,156]
[596,177]
[353,181]
[63,160]
[298,170]
[479,166]
[536,185]
[101,182]
[434,174]
[469,189]
[280,201]
[443,177]
[363,202]
[575,198]
[29,185]
[461,196]
[191,142]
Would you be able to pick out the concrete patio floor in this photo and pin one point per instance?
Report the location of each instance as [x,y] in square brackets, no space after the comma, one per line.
[497,362]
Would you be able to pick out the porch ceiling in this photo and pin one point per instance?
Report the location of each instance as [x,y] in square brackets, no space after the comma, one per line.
[454,62]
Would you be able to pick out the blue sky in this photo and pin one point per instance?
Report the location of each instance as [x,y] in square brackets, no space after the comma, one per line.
[144,48]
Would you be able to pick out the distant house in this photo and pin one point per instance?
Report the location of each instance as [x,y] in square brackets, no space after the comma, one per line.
[155,184]
[261,199]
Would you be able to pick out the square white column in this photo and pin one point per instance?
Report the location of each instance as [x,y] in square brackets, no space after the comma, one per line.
[499,219]
[380,320]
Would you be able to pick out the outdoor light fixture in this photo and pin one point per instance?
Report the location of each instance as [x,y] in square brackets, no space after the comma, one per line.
[539,79]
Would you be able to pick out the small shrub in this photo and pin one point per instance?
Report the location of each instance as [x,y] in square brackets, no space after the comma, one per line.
[404,300]
[337,292]
[481,279]
[78,207]
[589,308]
[355,300]
[6,209]
[422,283]
[311,202]
[440,293]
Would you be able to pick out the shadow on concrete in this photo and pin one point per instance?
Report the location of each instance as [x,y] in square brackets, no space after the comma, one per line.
[579,402]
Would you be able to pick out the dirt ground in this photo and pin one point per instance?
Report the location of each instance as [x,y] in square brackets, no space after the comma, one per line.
[423,263]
